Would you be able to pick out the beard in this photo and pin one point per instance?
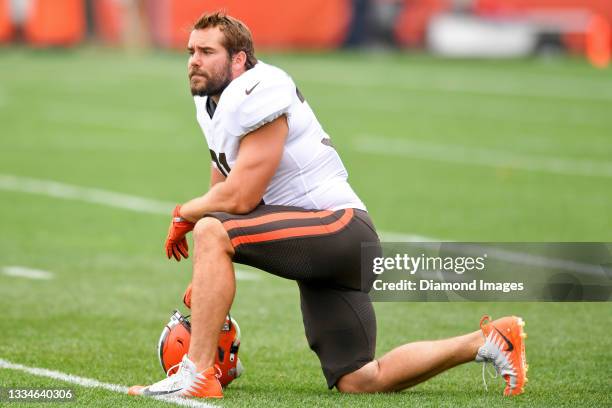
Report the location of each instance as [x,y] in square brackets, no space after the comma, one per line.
[214,82]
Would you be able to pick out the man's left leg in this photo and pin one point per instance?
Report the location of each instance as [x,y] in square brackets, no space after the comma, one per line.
[412,363]
[213,289]
[340,326]
[500,342]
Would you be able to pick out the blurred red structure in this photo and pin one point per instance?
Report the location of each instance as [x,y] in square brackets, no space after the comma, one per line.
[6,26]
[108,21]
[599,41]
[55,23]
[411,25]
[413,20]
[584,24]
[509,7]
[575,39]
[274,23]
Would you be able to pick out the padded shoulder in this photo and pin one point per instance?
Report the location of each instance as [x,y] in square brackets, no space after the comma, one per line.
[257,97]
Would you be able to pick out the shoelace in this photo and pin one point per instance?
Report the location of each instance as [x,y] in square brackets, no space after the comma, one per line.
[484,381]
[217,374]
[180,365]
[484,363]
[180,372]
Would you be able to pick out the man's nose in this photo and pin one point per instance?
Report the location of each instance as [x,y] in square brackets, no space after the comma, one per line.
[194,61]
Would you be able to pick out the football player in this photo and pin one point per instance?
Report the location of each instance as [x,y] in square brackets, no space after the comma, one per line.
[279,200]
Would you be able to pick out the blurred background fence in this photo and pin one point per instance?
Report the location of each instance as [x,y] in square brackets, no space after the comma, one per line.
[453,28]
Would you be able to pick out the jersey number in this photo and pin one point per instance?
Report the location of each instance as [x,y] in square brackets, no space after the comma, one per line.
[221,162]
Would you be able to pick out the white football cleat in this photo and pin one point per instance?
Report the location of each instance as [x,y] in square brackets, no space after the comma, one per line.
[186,382]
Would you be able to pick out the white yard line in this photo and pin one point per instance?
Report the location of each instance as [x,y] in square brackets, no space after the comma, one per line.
[38,274]
[93,383]
[28,273]
[141,204]
[480,157]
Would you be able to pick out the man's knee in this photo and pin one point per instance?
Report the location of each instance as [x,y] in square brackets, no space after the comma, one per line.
[363,380]
[209,234]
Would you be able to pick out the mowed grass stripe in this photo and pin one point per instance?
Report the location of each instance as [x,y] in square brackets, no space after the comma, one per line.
[442,76]
[480,157]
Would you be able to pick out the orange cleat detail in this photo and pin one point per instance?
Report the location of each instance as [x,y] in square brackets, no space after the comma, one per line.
[206,385]
[507,337]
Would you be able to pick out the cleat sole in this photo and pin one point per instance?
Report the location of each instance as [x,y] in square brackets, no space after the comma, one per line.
[523,360]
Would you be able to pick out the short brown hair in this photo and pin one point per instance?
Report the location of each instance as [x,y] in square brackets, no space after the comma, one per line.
[237,36]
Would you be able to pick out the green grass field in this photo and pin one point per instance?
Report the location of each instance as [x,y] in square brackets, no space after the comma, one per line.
[461,150]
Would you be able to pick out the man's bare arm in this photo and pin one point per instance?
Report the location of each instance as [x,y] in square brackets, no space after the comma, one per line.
[259,154]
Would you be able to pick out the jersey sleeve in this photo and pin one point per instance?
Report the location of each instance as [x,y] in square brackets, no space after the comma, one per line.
[267,100]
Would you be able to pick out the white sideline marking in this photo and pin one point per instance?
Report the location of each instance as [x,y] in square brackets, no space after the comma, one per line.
[56,189]
[43,187]
[28,273]
[92,383]
[481,157]
[90,195]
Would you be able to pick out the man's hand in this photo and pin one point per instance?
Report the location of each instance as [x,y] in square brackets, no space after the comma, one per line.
[176,243]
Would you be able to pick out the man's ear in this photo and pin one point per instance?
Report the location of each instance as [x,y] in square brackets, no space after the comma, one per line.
[239,59]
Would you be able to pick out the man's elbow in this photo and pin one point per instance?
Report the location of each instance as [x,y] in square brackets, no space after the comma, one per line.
[244,205]
[241,198]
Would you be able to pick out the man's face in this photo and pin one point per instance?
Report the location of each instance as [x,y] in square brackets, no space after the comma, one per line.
[209,65]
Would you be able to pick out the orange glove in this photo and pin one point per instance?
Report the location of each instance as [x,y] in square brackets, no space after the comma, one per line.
[187,297]
[176,243]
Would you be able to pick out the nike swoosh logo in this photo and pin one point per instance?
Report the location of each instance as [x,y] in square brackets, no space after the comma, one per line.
[248,91]
[154,393]
[508,342]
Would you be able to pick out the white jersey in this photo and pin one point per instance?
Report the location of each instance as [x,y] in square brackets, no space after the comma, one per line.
[310,174]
